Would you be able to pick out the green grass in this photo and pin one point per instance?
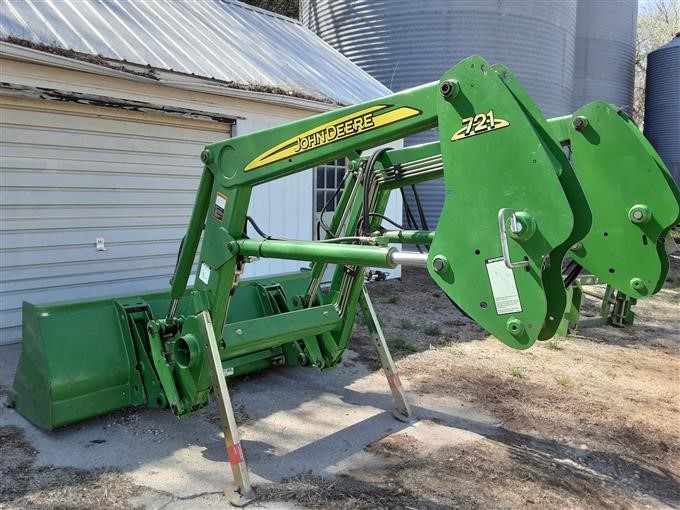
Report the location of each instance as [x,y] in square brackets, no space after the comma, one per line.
[393,300]
[407,324]
[563,380]
[553,345]
[516,372]
[432,330]
[402,344]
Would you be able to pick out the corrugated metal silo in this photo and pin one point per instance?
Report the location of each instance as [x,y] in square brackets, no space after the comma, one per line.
[605,52]
[404,43]
[662,104]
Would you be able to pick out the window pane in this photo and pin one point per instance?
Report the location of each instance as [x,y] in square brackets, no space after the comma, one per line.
[331,206]
[319,178]
[341,174]
[330,178]
[319,201]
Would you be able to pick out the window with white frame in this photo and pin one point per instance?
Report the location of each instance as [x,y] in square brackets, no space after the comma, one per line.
[327,178]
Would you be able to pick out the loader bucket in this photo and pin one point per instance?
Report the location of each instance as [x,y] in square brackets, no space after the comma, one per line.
[84,359]
[76,362]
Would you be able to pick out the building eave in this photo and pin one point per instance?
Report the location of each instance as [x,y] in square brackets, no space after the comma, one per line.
[166,78]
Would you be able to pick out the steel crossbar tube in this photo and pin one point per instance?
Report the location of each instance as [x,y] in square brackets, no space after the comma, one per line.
[354,255]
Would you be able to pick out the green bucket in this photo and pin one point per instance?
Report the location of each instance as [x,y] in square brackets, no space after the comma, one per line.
[85,358]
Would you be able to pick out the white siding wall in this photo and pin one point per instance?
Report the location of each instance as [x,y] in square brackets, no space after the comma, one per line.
[73,173]
[70,173]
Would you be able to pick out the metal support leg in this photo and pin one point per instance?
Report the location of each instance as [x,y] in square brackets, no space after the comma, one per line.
[603,318]
[244,492]
[402,410]
[622,313]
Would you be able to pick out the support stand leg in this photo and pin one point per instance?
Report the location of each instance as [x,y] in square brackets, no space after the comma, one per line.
[244,492]
[402,410]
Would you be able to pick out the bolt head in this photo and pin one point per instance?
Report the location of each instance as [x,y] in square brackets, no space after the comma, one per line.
[206,156]
[440,264]
[640,214]
[515,326]
[449,88]
[638,284]
[579,123]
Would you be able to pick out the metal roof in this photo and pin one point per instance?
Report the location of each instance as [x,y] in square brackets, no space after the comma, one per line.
[224,40]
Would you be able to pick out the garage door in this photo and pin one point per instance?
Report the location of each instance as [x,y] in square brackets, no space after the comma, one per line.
[71,174]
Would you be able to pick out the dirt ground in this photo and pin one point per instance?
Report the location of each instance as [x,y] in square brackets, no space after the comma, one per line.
[25,486]
[590,421]
[587,421]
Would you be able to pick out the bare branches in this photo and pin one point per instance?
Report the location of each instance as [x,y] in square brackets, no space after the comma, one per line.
[658,23]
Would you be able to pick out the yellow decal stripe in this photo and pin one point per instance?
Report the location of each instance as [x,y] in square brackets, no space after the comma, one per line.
[338,129]
[401,113]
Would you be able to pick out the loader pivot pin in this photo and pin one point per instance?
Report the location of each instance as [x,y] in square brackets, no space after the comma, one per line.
[640,214]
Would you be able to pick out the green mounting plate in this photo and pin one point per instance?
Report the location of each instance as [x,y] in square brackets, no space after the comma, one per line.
[501,160]
[618,171]
[552,276]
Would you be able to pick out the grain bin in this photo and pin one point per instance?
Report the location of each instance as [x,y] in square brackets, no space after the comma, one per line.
[662,104]
[605,52]
[405,43]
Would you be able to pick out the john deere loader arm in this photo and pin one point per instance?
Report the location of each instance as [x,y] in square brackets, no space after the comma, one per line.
[632,197]
[513,209]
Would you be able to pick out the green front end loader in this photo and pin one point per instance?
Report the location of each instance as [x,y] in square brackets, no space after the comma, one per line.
[88,358]
[525,197]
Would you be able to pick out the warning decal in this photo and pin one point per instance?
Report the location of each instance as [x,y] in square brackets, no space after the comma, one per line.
[204,273]
[503,287]
[220,204]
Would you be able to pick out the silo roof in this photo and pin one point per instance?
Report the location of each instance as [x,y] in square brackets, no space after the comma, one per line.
[223,40]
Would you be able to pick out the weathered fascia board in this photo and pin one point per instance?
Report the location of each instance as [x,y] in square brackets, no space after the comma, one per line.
[30,55]
[24,54]
[216,88]
[9,89]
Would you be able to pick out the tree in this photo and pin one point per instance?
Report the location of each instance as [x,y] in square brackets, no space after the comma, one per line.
[658,23]
[290,8]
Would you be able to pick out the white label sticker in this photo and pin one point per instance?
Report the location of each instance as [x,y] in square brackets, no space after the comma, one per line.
[503,287]
[220,201]
[204,273]
[228,371]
